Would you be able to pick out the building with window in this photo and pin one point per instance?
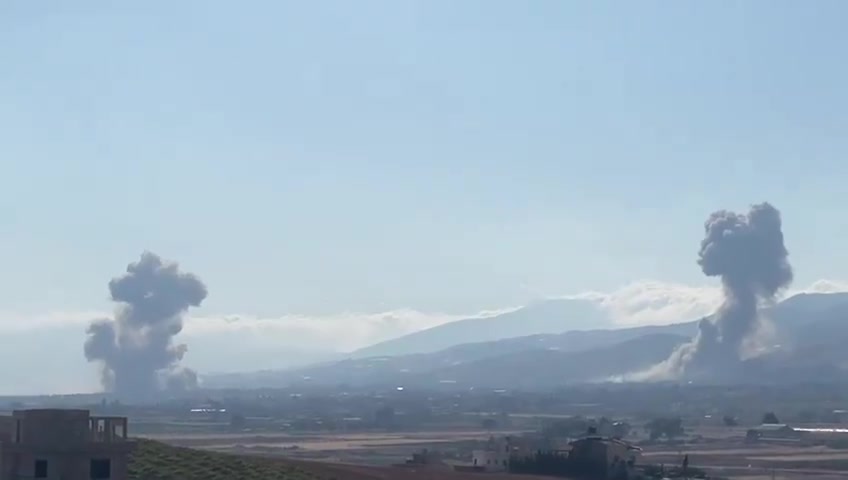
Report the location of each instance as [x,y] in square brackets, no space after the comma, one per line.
[495,457]
[607,457]
[59,444]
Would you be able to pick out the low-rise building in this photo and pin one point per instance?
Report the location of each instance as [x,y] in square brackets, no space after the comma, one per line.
[495,457]
[59,444]
[774,432]
[609,457]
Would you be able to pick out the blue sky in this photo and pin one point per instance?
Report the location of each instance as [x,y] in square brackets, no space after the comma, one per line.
[325,157]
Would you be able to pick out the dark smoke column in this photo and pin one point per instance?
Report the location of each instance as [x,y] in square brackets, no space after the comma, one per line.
[136,347]
[748,254]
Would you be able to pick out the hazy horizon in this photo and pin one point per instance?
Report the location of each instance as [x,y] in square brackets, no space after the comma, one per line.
[341,173]
[255,343]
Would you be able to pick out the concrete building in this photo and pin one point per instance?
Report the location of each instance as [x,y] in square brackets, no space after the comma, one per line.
[495,457]
[58,444]
[609,457]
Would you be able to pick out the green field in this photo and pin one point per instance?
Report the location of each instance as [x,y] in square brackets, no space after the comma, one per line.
[157,461]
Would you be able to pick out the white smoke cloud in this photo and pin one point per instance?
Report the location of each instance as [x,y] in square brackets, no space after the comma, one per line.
[650,302]
[11,322]
[646,302]
[825,286]
[341,332]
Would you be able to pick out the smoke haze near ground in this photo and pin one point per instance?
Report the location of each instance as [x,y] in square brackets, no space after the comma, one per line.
[747,252]
[136,347]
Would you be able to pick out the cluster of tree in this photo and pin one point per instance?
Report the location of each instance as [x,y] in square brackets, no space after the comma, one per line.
[579,426]
[770,418]
[557,464]
[560,465]
[238,422]
[675,471]
[384,417]
[665,427]
[566,427]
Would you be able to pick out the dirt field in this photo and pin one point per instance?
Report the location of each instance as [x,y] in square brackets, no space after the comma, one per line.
[354,472]
[760,461]
[787,477]
[368,454]
[156,460]
[381,449]
[327,442]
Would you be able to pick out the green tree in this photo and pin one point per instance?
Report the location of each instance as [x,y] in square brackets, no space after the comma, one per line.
[621,429]
[237,422]
[567,427]
[668,427]
[384,417]
[770,417]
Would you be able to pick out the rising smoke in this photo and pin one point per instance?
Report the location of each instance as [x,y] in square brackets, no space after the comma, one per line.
[136,348]
[747,252]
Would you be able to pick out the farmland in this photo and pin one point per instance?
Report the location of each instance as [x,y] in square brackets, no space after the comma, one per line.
[354,448]
[157,461]
[724,455]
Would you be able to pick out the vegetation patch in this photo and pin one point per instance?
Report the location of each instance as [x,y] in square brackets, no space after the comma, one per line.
[156,461]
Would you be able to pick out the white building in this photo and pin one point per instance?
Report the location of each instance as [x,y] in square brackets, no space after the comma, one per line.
[495,457]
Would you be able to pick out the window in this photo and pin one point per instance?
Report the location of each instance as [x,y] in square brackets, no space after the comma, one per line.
[101,469]
[40,469]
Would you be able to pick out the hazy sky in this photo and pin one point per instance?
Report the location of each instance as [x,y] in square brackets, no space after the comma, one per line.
[318,158]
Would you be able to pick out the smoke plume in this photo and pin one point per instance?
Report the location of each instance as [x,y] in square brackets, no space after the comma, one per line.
[747,252]
[136,347]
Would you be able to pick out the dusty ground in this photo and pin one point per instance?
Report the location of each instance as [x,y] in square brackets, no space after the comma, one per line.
[789,476]
[724,456]
[756,462]
[354,472]
[381,449]
[323,442]
[156,460]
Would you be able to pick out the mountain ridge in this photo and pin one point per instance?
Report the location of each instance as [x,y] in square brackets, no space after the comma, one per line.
[803,324]
[540,317]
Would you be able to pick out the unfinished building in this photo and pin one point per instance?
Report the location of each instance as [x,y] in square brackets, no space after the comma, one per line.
[59,444]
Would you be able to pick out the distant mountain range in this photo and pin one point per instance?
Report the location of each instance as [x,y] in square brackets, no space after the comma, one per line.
[811,331]
[549,316]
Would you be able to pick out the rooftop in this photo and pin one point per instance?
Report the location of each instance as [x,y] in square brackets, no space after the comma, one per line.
[773,427]
[607,440]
